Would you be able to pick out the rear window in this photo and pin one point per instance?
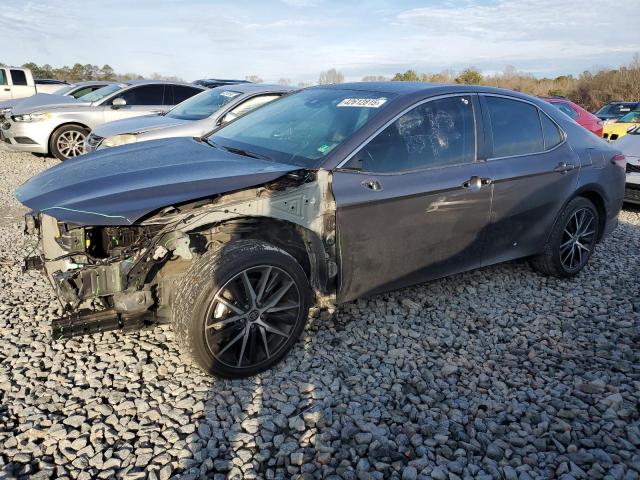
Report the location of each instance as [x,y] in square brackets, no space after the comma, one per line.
[566,109]
[18,77]
[515,126]
[551,132]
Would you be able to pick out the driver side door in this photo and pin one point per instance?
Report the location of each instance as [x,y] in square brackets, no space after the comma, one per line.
[413,203]
[142,100]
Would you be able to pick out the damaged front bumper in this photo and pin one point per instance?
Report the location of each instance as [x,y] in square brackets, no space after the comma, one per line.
[87,264]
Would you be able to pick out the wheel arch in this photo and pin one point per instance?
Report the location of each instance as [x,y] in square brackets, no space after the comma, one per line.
[596,195]
[65,124]
[301,243]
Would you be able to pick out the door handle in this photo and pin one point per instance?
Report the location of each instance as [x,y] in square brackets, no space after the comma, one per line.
[475,183]
[374,185]
[7,89]
[563,167]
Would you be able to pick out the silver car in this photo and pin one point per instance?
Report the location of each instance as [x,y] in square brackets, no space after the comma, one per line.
[72,91]
[61,128]
[629,145]
[192,118]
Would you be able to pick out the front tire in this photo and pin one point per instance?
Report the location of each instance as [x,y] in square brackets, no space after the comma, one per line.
[572,240]
[68,142]
[240,308]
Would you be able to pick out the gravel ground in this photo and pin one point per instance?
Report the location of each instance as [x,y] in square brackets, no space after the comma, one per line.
[497,373]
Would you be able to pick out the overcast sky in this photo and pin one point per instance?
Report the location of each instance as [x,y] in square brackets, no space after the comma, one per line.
[296,39]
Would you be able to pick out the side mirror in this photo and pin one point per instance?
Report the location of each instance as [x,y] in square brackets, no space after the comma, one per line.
[118,102]
[229,116]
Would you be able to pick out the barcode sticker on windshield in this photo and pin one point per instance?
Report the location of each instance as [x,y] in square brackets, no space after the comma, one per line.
[229,94]
[362,102]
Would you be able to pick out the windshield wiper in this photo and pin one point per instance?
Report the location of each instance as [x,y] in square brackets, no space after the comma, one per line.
[246,153]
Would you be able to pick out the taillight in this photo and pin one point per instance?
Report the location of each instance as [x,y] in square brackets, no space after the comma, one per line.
[620,160]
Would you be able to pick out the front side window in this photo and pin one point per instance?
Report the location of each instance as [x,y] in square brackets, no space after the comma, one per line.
[435,134]
[302,128]
[3,77]
[515,126]
[18,78]
[203,105]
[144,95]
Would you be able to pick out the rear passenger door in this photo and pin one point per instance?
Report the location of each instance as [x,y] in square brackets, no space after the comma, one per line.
[534,172]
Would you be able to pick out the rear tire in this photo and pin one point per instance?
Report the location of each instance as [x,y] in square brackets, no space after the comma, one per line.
[68,142]
[240,308]
[572,240]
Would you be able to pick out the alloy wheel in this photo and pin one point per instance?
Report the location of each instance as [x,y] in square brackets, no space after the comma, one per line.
[578,239]
[251,318]
[71,143]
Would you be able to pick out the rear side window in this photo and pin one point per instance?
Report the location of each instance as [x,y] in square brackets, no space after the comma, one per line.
[181,93]
[566,109]
[18,77]
[434,134]
[145,95]
[3,77]
[515,127]
[551,132]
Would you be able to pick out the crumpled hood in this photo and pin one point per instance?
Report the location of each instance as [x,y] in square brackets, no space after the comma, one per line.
[119,185]
[37,100]
[145,123]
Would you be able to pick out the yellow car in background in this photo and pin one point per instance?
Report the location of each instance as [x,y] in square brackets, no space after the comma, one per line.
[624,125]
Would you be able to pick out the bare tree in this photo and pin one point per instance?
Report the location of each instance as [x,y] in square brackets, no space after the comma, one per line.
[303,84]
[331,76]
[284,81]
[254,78]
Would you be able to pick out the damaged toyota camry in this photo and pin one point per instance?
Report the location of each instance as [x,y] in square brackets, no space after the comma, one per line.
[324,196]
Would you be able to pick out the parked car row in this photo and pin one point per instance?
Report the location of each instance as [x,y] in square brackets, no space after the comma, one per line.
[268,201]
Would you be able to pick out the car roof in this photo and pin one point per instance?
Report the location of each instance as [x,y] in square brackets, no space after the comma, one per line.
[255,87]
[421,88]
[162,82]
[94,82]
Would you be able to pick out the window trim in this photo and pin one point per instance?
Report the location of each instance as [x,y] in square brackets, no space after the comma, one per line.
[490,127]
[476,120]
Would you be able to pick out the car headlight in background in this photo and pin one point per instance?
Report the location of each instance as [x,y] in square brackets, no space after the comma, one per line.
[31,117]
[117,140]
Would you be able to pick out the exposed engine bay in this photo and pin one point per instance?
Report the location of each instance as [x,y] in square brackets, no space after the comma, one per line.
[110,277]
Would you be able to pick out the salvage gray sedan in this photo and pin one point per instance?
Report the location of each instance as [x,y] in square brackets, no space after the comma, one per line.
[326,195]
[61,128]
[194,117]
